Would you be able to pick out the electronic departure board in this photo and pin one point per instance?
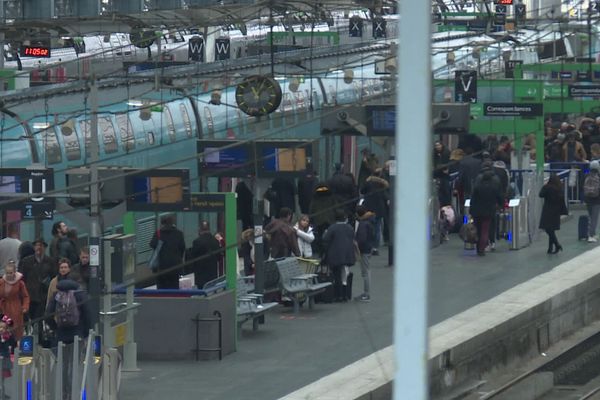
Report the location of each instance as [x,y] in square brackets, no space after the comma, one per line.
[283,158]
[226,158]
[381,120]
[158,190]
[35,51]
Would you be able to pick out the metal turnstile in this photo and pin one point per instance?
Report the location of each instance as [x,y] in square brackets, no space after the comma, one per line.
[518,234]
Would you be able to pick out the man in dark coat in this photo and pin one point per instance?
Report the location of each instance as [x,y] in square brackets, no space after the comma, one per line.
[285,192]
[322,213]
[171,253]
[344,189]
[376,197]
[306,186]
[339,245]
[244,198]
[468,169]
[80,272]
[282,236]
[485,199]
[38,270]
[205,252]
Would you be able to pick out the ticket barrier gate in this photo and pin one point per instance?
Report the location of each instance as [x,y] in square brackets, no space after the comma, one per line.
[49,374]
[518,234]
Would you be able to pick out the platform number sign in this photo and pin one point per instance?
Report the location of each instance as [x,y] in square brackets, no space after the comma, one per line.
[196,49]
[379,27]
[355,26]
[37,183]
[500,16]
[521,11]
[595,6]
[465,86]
[509,68]
[222,49]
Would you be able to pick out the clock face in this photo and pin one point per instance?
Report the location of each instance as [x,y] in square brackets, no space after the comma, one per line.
[258,95]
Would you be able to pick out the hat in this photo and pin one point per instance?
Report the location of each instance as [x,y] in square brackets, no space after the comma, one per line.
[40,240]
[595,165]
[486,154]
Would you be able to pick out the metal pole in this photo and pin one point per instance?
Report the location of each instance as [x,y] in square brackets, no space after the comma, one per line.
[589,27]
[95,228]
[410,245]
[1,46]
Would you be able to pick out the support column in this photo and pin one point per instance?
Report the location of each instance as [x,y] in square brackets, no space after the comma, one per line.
[413,130]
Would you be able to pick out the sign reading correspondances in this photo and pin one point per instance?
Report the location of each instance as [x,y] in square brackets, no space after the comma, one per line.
[513,109]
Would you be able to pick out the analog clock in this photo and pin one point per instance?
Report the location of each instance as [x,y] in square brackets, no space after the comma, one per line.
[258,95]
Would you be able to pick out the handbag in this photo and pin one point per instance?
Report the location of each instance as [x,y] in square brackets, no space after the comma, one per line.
[153,262]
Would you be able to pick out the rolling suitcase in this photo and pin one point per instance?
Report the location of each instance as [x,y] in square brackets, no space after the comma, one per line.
[323,275]
[348,287]
[582,227]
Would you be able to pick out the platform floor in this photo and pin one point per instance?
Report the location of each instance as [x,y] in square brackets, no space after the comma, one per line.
[289,352]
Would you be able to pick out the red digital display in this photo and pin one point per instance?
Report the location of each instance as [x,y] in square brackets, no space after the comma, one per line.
[35,51]
[505,2]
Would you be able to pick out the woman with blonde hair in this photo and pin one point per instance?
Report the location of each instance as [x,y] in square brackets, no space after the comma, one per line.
[305,235]
[14,297]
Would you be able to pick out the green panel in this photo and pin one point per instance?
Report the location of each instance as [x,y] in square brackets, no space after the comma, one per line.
[231,236]
[129,223]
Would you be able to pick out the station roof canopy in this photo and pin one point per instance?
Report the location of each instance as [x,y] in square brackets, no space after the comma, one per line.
[86,17]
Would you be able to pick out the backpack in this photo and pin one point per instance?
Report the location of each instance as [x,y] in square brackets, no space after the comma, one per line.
[591,185]
[67,312]
[468,233]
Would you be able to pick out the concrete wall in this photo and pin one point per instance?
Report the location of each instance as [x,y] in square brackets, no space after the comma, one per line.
[514,326]
[497,334]
[164,328]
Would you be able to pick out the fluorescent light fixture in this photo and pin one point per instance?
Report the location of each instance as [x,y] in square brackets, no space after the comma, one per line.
[135,103]
[41,125]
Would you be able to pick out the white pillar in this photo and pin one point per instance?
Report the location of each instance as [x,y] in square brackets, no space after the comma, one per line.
[413,168]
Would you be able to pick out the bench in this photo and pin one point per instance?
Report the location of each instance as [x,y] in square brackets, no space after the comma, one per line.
[297,284]
[250,306]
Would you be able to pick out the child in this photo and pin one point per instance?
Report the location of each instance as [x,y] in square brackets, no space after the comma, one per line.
[365,238]
[7,346]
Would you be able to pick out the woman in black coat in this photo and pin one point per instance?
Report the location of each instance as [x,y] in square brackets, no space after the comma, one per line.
[485,200]
[554,207]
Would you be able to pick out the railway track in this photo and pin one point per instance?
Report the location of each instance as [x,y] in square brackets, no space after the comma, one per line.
[574,374]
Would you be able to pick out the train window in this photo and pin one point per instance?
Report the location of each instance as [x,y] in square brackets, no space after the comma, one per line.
[288,109]
[332,95]
[357,91]
[86,127]
[109,137]
[187,123]
[250,125]
[240,120]
[209,122]
[277,119]
[151,139]
[53,154]
[170,125]
[301,106]
[126,131]
[70,140]
[315,100]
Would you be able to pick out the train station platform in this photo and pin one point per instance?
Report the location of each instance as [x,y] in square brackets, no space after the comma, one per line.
[292,351]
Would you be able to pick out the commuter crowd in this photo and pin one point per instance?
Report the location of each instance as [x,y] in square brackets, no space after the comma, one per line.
[482,174]
[340,221]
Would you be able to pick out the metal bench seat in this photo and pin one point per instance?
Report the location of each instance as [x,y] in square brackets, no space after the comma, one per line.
[298,284]
[250,306]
